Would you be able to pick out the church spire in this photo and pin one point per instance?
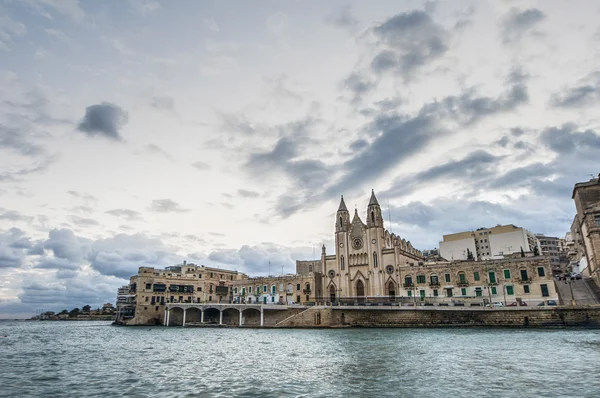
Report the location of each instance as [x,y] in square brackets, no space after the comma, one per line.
[342,205]
[373,200]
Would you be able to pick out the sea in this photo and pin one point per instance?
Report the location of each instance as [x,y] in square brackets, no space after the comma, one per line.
[95,359]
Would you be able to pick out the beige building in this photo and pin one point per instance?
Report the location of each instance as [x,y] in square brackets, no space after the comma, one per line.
[286,289]
[487,243]
[586,226]
[143,300]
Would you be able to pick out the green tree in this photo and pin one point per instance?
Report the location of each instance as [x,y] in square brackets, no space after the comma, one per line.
[536,251]
[86,308]
[74,312]
[63,312]
[522,252]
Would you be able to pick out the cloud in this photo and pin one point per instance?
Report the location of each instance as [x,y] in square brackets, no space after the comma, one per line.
[584,94]
[517,23]
[9,28]
[343,18]
[103,119]
[359,85]
[11,215]
[128,214]
[410,40]
[254,260]
[155,149]
[68,8]
[166,206]
[144,7]
[201,165]
[165,102]
[211,24]
[42,165]
[64,244]
[13,248]
[247,194]
[82,195]
[83,222]
[566,140]
[15,140]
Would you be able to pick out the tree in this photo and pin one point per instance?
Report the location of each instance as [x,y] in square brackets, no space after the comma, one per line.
[74,312]
[63,312]
[86,308]
[469,254]
[522,252]
[536,251]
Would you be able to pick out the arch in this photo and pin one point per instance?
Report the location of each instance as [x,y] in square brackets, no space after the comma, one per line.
[211,315]
[341,223]
[360,290]
[342,262]
[408,281]
[391,289]
[372,217]
[231,316]
[310,268]
[176,316]
[193,315]
[251,317]
[375,259]
[332,293]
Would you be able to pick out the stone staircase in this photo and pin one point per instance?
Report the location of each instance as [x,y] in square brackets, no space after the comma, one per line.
[300,316]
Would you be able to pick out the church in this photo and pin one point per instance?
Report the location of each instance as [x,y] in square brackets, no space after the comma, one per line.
[368,258]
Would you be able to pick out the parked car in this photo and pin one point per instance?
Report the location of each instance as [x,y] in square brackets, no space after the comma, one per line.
[549,303]
[518,304]
[496,304]
[575,275]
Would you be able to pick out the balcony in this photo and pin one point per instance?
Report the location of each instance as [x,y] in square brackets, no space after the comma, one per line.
[434,284]
[463,283]
[306,291]
[525,280]
[408,285]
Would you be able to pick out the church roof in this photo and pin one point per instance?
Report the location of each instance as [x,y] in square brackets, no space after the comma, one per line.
[342,205]
[356,219]
[373,200]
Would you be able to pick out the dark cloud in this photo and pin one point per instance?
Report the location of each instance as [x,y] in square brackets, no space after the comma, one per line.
[410,40]
[104,119]
[476,166]
[64,244]
[343,18]
[17,141]
[48,262]
[201,165]
[517,132]
[13,248]
[358,145]
[128,214]
[566,140]
[166,206]
[517,23]
[11,215]
[585,94]
[247,194]
[359,85]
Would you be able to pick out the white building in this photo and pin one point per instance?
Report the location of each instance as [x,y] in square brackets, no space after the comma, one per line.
[487,243]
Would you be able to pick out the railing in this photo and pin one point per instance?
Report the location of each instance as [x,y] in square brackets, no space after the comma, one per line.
[463,283]
[434,284]
[306,291]
[408,285]
[525,280]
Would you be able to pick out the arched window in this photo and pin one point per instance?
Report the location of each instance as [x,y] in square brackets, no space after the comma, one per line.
[374,259]
[342,262]
[310,268]
[372,217]
[273,290]
[341,222]
[408,281]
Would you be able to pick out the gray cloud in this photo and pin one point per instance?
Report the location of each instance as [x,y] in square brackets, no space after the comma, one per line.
[254,260]
[516,24]
[40,166]
[165,102]
[201,165]
[166,206]
[359,85]
[64,244]
[13,248]
[584,94]
[11,215]
[248,194]
[411,40]
[16,140]
[104,119]
[83,222]
[343,18]
[566,140]
[128,214]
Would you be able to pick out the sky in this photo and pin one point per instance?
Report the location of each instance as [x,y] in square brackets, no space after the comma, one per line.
[144,133]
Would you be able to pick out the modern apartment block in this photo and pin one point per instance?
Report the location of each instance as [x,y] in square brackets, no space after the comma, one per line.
[553,247]
[585,230]
[487,243]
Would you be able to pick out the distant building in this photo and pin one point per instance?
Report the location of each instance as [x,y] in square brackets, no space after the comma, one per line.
[585,230]
[487,243]
[554,248]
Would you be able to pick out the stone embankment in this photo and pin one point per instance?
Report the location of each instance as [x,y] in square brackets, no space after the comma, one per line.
[332,317]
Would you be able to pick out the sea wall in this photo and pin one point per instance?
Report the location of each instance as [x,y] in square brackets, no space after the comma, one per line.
[445,317]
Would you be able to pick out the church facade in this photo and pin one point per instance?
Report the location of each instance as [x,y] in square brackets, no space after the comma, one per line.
[368,257]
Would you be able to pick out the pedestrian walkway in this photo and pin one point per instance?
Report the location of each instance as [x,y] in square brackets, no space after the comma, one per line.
[575,290]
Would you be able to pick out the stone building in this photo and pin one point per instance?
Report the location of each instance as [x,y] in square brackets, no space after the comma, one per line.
[285,289]
[586,226]
[143,300]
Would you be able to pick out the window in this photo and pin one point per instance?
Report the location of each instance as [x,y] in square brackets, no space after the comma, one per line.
[273,290]
[524,275]
[463,291]
[526,289]
[462,277]
[506,274]
[209,298]
[148,286]
[310,268]
[273,299]
[420,278]
[250,289]
[307,297]
[510,290]
[434,280]
[265,288]
[374,258]
[447,278]
[212,274]
[545,292]
[235,290]
[435,292]
[410,293]
[243,291]
[146,298]
[342,262]
[297,287]
[298,299]
[408,281]
[478,292]
[494,290]
[476,275]
[449,292]
[597,220]
[541,271]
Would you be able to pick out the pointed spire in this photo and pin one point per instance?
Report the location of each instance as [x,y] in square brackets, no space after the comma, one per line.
[342,205]
[373,200]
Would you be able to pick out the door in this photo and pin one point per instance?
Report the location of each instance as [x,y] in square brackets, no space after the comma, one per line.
[360,291]
[544,290]
[332,293]
[392,290]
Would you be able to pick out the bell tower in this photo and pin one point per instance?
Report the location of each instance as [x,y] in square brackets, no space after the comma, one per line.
[342,222]
[374,218]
